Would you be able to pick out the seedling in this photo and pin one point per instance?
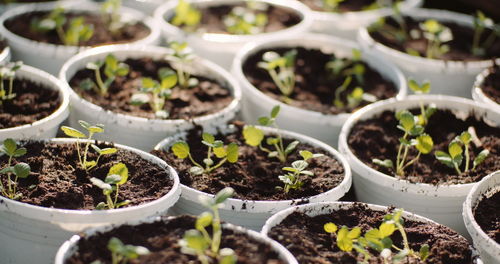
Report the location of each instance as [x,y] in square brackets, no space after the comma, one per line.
[422,142]
[112,69]
[455,156]
[436,34]
[198,241]
[254,137]
[121,253]
[186,16]
[20,170]
[117,175]
[156,93]
[481,22]
[111,15]
[378,239]
[398,33]
[83,160]
[8,73]
[425,112]
[227,153]
[332,5]
[246,20]
[281,70]
[348,67]
[292,178]
[183,56]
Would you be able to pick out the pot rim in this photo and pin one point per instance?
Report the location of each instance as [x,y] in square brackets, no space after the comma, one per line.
[477,91]
[365,14]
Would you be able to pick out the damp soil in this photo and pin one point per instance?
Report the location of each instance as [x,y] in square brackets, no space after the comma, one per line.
[58,181]
[491,84]
[208,97]
[487,215]
[460,46]
[344,6]
[306,239]
[162,240]
[21,25]
[33,102]
[378,138]
[315,84]
[255,176]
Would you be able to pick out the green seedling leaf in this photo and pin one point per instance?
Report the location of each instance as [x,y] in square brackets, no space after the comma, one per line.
[181,149]
[343,241]
[424,252]
[112,179]
[465,137]
[22,170]
[232,152]
[203,220]
[264,121]
[330,228]
[386,229]
[90,164]
[100,184]
[227,256]
[481,157]
[9,146]
[19,152]
[220,153]
[208,139]
[121,170]
[387,163]
[223,195]
[115,245]
[253,136]
[291,146]
[108,151]
[275,111]
[455,149]
[71,132]
[424,144]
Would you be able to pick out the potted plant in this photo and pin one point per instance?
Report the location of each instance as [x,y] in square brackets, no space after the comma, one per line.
[423,153]
[326,80]
[53,32]
[446,48]
[343,19]
[33,102]
[270,169]
[346,232]
[181,239]
[55,188]
[218,29]
[486,89]
[148,90]
[480,210]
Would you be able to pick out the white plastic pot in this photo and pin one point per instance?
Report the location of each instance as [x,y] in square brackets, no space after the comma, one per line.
[250,213]
[32,234]
[141,132]
[5,7]
[315,124]
[51,57]
[479,96]
[71,246]
[488,248]
[221,48]
[331,207]
[446,77]
[5,55]
[46,127]
[146,6]
[442,203]
[346,25]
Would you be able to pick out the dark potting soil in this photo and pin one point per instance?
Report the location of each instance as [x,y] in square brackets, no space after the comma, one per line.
[33,102]
[162,240]
[315,85]
[460,45]
[468,7]
[487,215]
[306,239]
[21,25]
[207,97]
[58,181]
[344,6]
[379,138]
[491,85]
[255,176]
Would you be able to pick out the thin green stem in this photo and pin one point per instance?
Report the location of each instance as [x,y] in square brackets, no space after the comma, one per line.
[116,193]
[9,184]
[216,166]
[78,151]
[111,205]
[103,90]
[422,112]
[475,40]
[398,157]
[411,161]
[403,235]
[209,153]
[84,165]
[457,168]
[286,91]
[467,157]
[11,85]
[62,35]
[217,232]
[193,161]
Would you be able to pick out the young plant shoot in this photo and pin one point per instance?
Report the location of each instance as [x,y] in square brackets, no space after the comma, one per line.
[121,253]
[436,34]
[20,170]
[198,241]
[182,56]
[398,33]
[117,175]
[8,73]
[292,178]
[254,137]
[186,16]
[251,19]
[112,69]
[482,23]
[110,11]
[227,153]
[282,71]
[83,159]
[425,112]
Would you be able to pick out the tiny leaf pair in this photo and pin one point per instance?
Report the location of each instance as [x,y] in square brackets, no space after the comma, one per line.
[117,176]
[20,170]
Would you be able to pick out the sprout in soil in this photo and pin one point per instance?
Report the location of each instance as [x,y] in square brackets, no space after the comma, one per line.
[156,93]
[182,56]
[455,156]
[70,34]
[20,170]
[112,69]
[8,73]
[198,241]
[117,175]
[110,11]
[422,142]
[254,137]
[425,112]
[292,178]
[121,253]
[282,71]
[186,16]
[398,33]
[251,19]
[377,239]
[348,67]
[215,147]
[436,34]
[481,23]
[83,157]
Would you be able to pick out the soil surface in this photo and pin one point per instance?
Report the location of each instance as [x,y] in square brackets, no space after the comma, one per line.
[162,240]
[468,7]
[255,176]
[306,239]
[58,181]
[379,138]
[345,6]
[33,102]
[206,98]
[315,84]
[487,215]
[491,84]
[21,25]
[460,46]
